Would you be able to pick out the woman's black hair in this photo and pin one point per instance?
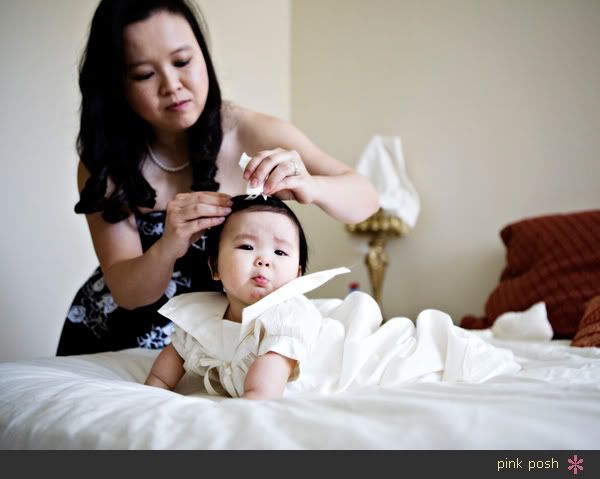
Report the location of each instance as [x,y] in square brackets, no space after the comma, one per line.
[112,140]
[272,204]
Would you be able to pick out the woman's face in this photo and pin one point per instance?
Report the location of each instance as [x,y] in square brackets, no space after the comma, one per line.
[166,82]
[258,253]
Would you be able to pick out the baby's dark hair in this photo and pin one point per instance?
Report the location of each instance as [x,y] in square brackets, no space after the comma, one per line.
[272,204]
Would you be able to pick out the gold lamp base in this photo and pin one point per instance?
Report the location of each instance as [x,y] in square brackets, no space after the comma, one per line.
[379,227]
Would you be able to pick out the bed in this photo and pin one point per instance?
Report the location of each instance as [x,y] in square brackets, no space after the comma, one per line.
[99,401]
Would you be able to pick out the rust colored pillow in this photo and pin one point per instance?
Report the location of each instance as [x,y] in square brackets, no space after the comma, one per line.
[554,258]
[588,333]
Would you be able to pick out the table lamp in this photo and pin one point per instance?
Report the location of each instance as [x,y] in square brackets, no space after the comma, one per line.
[383,163]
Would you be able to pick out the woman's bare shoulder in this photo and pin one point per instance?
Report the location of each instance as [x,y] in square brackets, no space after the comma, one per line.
[260,131]
[244,119]
[250,130]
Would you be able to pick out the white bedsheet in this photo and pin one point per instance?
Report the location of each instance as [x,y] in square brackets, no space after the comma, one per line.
[99,402]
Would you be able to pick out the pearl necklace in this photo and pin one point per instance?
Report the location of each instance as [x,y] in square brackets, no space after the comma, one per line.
[162,166]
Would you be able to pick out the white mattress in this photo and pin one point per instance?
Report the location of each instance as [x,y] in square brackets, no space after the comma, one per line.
[99,402]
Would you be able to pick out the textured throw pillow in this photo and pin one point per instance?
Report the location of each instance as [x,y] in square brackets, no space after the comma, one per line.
[588,333]
[555,259]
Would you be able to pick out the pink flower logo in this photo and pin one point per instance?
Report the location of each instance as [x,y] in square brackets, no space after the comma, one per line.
[575,465]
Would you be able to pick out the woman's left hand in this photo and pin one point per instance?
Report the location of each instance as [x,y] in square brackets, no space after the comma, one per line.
[283,173]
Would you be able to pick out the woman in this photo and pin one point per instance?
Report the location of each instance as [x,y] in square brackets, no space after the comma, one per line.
[159,160]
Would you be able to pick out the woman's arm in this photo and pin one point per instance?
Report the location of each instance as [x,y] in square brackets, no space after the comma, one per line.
[167,369]
[267,377]
[136,278]
[295,168]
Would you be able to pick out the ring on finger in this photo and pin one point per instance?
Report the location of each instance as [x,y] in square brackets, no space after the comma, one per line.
[295,168]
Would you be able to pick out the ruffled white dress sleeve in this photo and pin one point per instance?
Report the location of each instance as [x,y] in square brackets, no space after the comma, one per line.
[289,328]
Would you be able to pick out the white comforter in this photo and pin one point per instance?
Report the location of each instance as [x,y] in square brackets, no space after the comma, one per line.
[98,402]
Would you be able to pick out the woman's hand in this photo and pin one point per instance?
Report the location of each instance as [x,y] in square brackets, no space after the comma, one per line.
[300,170]
[283,174]
[189,215]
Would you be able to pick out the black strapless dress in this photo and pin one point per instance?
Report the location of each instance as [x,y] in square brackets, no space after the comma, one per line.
[95,323]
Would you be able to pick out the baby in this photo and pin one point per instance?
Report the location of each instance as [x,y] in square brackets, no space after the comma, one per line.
[260,248]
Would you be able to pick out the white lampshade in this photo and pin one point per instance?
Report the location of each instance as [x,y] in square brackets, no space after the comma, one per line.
[382,162]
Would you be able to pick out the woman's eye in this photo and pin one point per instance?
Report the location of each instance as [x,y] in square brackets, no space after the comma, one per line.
[142,76]
[246,247]
[181,63]
[279,252]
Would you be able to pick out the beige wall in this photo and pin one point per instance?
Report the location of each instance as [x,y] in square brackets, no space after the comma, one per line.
[46,249]
[251,51]
[498,107]
[496,102]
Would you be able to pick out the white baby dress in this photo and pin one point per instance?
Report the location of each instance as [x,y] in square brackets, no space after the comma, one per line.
[339,345]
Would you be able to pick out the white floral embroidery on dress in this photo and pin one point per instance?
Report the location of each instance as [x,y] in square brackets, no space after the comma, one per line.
[107,303]
[157,338]
[76,314]
[149,228]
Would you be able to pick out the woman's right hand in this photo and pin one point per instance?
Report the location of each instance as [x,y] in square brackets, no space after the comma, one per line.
[189,215]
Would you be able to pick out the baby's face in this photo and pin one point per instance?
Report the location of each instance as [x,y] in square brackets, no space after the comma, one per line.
[258,253]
